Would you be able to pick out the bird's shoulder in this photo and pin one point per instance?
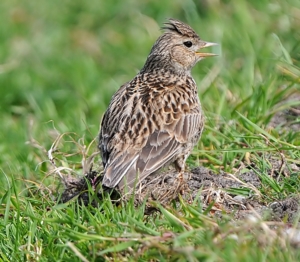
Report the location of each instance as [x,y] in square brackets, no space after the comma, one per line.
[149,103]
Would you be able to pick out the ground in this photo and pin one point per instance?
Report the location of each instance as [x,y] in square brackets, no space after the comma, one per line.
[59,68]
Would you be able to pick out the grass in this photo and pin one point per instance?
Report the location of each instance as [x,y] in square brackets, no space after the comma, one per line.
[60,63]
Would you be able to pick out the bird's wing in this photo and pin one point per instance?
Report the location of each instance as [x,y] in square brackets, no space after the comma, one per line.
[147,140]
[133,165]
[161,148]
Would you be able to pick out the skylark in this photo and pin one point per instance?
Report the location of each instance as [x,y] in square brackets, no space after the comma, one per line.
[156,118]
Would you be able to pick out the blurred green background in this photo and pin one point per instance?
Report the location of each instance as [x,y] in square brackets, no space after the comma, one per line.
[61,61]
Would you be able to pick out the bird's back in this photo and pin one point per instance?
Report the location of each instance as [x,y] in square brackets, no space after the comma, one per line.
[147,124]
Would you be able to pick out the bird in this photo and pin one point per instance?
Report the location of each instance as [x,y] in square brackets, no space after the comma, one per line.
[155,119]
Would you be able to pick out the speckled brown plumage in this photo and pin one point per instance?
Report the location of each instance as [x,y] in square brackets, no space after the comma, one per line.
[156,118]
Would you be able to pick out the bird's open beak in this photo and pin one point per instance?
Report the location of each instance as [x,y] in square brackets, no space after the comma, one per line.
[206,44]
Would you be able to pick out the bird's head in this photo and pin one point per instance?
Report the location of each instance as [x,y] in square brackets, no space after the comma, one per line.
[178,48]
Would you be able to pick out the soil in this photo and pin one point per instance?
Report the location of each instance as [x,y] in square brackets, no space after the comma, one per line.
[213,189]
[288,119]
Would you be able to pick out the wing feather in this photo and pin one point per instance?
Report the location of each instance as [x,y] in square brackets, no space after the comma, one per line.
[160,149]
[136,142]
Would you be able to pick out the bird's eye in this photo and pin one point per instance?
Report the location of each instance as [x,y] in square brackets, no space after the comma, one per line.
[188,43]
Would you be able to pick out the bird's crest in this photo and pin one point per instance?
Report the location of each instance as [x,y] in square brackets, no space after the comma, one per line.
[178,27]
